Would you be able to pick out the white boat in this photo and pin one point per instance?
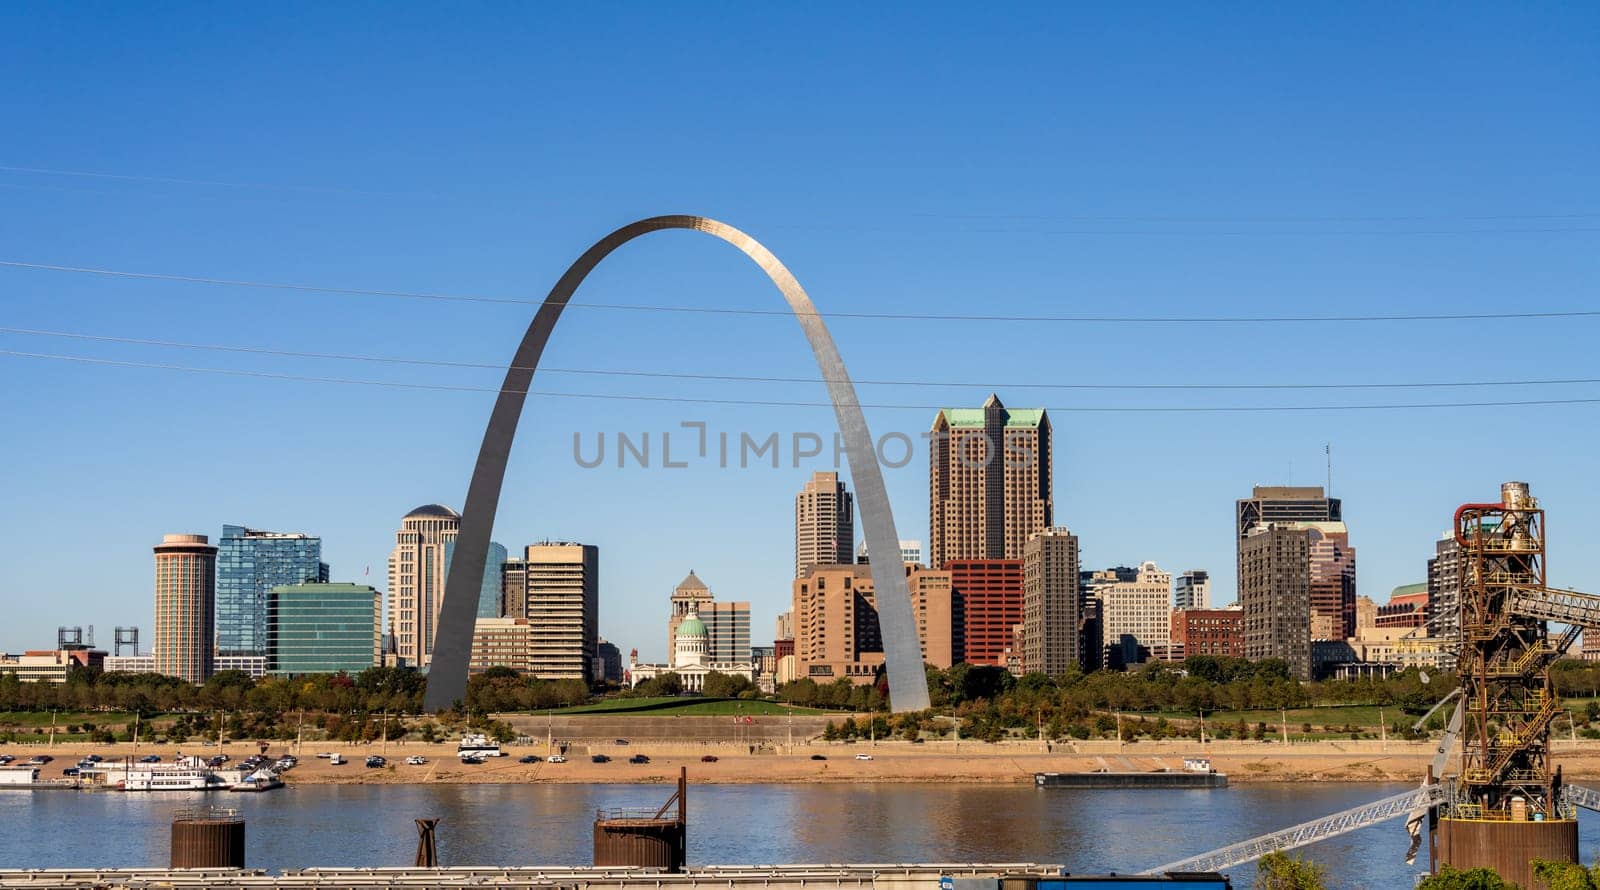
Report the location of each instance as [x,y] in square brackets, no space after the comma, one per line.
[260,780]
[478,746]
[169,779]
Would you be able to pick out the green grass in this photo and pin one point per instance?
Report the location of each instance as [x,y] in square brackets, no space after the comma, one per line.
[31,719]
[1318,717]
[686,707]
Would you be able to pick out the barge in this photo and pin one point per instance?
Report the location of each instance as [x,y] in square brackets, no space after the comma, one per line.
[1196,773]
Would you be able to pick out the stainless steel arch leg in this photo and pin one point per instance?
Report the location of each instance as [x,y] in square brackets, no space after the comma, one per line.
[447,675]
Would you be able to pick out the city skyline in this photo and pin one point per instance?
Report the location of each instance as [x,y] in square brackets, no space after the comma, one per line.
[1107,189]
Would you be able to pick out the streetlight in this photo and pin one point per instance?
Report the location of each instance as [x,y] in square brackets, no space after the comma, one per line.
[1283,718]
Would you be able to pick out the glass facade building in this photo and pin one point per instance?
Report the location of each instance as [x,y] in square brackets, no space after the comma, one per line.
[489,599]
[250,563]
[320,628]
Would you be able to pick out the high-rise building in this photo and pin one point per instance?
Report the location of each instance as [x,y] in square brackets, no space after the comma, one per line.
[610,658]
[824,523]
[910,552]
[1275,594]
[989,482]
[836,622]
[501,642]
[417,578]
[491,598]
[322,628]
[690,593]
[1333,581]
[1286,503]
[1444,590]
[783,628]
[1136,614]
[1217,632]
[556,587]
[1192,590]
[727,631]
[251,562]
[186,596]
[1052,607]
[989,594]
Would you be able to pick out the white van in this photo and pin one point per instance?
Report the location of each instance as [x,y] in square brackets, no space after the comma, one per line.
[336,759]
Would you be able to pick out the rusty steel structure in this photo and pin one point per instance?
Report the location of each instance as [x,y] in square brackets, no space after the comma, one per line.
[1504,664]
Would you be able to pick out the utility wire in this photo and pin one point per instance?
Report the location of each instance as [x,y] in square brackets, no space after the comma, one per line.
[889,316]
[741,378]
[770,403]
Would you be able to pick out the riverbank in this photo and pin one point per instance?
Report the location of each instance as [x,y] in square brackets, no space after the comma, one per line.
[935,763]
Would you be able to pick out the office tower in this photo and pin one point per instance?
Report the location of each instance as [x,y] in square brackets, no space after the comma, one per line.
[322,628]
[836,622]
[186,591]
[989,592]
[727,631]
[1192,590]
[251,562]
[1136,614]
[824,523]
[1051,604]
[501,642]
[1366,614]
[1283,503]
[1333,581]
[689,593]
[1216,632]
[989,481]
[491,599]
[1275,594]
[1444,590]
[610,658]
[783,628]
[416,580]
[910,552]
[556,587]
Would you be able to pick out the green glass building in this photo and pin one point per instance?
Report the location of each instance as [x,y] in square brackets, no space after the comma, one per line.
[321,628]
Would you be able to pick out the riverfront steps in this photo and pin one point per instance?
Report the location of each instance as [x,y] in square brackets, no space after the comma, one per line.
[904,876]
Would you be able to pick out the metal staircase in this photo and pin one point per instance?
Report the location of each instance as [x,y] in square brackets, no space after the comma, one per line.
[1353,819]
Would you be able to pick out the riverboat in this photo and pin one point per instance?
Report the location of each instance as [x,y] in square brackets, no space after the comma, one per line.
[168,779]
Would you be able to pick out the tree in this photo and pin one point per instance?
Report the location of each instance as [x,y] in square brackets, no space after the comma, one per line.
[1280,871]
[1470,879]
[1566,875]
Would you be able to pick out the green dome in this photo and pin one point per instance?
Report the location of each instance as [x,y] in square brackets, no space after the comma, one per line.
[692,626]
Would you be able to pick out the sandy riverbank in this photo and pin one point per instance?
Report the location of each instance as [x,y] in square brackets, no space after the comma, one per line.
[971,762]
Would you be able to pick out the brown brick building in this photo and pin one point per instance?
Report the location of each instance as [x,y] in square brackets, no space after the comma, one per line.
[836,621]
[1218,632]
[988,594]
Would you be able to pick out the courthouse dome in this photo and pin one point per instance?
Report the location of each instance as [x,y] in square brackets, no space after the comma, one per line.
[434,510]
[692,626]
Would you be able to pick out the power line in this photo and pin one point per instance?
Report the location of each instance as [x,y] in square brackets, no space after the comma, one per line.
[743,378]
[772,403]
[172,180]
[785,313]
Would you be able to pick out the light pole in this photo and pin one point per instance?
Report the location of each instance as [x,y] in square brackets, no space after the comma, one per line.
[1283,721]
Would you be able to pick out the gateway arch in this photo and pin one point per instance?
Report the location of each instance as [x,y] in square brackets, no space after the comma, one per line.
[447,676]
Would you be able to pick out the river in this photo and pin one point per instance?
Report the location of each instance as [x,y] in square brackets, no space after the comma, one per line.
[1088,831]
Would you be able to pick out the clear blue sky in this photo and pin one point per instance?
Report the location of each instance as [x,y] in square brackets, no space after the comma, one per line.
[1148,160]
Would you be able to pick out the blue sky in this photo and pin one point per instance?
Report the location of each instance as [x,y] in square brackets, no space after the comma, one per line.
[1149,160]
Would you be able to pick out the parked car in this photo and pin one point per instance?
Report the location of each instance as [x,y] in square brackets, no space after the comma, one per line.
[818,757]
[474,761]
[375,762]
[708,758]
[555,758]
[599,758]
[39,759]
[94,758]
[6,758]
[336,759]
[863,756]
[621,741]
[216,762]
[150,758]
[416,760]
[638,758]
[70,772]
[325,755]
[528,758]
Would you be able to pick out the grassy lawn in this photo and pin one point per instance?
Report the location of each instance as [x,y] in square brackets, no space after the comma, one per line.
[31,719]
[1331,715]
[686,707]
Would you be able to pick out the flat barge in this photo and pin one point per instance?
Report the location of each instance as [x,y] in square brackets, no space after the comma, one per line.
[1154,779]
